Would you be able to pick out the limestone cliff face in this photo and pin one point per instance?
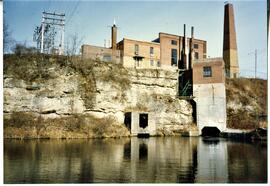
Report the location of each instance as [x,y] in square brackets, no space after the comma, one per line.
[98,89]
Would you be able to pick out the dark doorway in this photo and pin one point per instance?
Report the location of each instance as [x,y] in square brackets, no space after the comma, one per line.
[127,120]
[143,120]
[194,110]
[210,131]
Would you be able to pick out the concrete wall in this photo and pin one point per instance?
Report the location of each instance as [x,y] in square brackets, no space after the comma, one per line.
[210,105]
[136,129]
[101,53]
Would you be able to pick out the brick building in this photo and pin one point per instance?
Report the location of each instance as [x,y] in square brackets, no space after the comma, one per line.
[164,52]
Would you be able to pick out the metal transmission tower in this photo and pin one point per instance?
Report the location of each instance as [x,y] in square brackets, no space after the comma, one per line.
[45,35]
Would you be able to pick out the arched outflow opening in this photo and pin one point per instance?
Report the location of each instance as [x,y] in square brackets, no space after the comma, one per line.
[210,131]
[194,110]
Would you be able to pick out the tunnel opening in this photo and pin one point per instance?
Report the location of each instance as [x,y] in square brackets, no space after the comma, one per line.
[143,135]
[127,120]
[211,131]
[194,110]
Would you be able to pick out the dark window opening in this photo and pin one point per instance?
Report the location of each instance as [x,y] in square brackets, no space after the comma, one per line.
[143,120]
[143,151]
[151,51]
[210,131]
[196,46]
[136,49]
[127,120]
[196,55]
[207,72]
[173,42]
[174,57]
[158,63]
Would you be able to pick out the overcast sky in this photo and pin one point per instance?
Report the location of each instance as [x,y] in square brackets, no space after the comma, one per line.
[143,20]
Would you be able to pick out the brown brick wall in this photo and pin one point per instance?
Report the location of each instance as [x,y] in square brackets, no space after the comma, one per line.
[95,52]
[166,46]
[144,49]
[217,66]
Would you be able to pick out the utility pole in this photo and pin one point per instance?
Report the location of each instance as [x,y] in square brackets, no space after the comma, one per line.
[45,34]
[255,63]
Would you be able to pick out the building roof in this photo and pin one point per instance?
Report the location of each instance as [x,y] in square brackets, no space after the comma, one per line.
[149,42]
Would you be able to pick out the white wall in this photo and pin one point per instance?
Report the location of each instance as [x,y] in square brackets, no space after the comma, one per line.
[135,128]
[211,105]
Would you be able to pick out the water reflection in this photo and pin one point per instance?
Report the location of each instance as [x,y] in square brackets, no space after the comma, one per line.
[133,160]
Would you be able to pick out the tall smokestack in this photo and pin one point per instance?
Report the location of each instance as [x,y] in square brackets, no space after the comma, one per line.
[191,47]
[230,55]
[114,36]
[185,64]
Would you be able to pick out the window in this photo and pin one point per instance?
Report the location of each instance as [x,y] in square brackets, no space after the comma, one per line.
[174,57]
[152,62]
[136,49]
[143,120]
[151,51]
[196,55]
[173,42]
[196,46]
[158,63]
[207,72]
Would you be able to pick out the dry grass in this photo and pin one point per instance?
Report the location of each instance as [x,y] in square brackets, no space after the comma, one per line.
[28,125]
[247,92]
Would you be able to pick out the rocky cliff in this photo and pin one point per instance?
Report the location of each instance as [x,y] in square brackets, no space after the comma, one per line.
[75,98]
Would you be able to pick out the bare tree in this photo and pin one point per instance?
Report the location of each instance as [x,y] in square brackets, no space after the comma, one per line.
[73,44]
[8,41]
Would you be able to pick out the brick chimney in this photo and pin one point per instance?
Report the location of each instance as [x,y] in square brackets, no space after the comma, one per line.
[114,36]
[230,55]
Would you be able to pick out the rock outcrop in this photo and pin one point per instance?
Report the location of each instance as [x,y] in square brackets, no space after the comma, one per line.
[96,89]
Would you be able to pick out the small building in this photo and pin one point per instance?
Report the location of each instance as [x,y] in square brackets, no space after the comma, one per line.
[140,123]
[209,93]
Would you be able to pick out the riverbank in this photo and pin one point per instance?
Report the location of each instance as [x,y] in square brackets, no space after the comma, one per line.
[23,125]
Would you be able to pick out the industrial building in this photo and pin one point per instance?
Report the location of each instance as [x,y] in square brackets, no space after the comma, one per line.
[164,52]
[201,80]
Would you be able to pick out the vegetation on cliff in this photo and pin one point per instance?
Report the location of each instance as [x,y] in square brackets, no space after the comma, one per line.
[28,125]
[246,103]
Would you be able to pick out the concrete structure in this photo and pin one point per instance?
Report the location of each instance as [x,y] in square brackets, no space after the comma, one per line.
[230,55]
[142,123]
[209,92]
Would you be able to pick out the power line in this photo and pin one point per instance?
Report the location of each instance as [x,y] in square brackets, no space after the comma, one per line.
[74,9]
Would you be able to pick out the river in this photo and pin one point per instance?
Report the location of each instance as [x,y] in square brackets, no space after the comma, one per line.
[135,160]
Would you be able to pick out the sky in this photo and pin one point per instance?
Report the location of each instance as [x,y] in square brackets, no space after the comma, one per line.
[143,20]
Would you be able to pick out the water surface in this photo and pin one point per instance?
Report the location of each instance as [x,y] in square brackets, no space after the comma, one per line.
[134,160]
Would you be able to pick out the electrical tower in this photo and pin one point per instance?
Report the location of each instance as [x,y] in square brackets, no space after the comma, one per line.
[46,34]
